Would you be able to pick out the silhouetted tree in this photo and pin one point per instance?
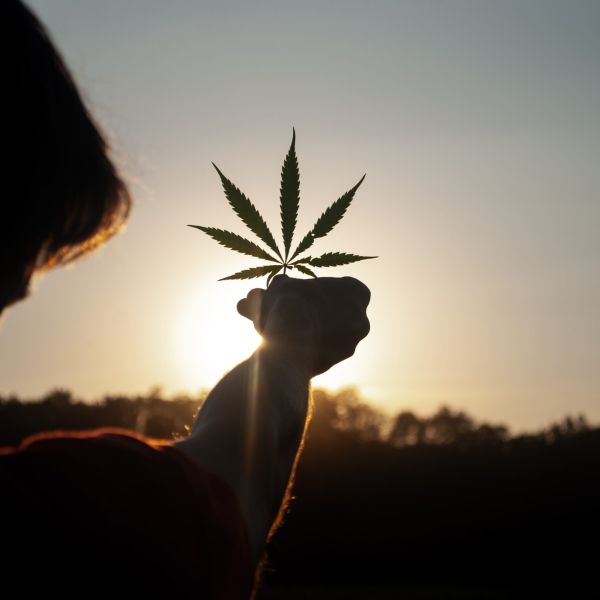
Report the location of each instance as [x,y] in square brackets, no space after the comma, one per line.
[447,426]
[346,411]
[407,430]
[568,427]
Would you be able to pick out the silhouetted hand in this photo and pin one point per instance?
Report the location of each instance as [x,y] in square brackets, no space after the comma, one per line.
[322,319]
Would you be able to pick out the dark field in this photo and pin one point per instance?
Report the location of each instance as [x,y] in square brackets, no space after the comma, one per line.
[417,508]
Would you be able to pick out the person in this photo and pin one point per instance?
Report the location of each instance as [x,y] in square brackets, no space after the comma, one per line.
[111,511]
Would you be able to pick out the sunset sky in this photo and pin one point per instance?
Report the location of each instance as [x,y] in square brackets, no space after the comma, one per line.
[478,126]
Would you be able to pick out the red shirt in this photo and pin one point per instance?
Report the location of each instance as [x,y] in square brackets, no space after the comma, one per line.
[109,510]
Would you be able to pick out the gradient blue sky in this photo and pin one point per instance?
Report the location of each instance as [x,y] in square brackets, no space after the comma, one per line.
[478,126]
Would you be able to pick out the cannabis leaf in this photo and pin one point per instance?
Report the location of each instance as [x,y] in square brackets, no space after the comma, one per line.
[252,273]
[306,271]
[289,195]
[247,212]
[289,199]
[236,242]
[335,259]
[328,220]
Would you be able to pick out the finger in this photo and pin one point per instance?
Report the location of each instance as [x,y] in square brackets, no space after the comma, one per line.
[364,329]
[278,280]
[250,306]
[359,290]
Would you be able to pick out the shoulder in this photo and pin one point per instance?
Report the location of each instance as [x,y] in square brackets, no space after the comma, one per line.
[137,499]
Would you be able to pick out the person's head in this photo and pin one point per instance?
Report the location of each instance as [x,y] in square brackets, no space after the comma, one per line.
[61,195]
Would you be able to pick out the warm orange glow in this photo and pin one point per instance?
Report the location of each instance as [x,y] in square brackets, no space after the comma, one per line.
[210,338]
[343,374]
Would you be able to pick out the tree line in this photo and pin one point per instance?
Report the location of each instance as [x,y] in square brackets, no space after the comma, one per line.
[155,415]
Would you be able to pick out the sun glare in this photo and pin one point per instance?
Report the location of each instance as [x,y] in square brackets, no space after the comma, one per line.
[211,338]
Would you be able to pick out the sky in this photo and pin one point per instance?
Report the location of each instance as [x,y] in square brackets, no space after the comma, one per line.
[478,127]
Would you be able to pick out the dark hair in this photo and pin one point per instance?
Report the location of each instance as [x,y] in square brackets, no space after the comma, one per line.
[61,195]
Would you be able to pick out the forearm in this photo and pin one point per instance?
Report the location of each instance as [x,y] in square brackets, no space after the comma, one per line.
[249,432]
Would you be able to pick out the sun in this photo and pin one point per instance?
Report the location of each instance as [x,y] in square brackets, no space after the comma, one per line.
[210,337]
